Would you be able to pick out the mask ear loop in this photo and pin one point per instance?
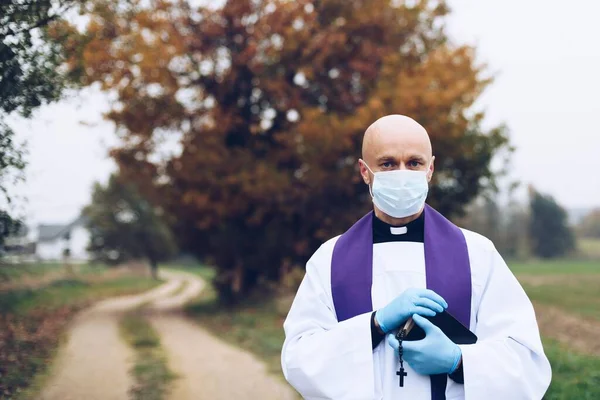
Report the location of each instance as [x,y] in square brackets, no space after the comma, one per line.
[371,184]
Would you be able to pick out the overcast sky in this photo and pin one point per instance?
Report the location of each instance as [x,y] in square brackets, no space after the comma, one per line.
[544,53]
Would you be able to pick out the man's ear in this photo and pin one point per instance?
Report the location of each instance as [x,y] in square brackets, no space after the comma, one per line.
[431,169]
[364,171]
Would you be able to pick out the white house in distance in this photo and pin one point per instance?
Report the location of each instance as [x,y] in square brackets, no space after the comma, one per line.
[52,241]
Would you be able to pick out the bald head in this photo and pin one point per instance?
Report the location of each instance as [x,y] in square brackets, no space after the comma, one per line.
[395,129]
[395,142]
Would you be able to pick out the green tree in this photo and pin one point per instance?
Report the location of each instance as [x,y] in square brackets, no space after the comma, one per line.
[550,234]
[29,77]
[11,166]
[270,101]
[29,58]
[125,226]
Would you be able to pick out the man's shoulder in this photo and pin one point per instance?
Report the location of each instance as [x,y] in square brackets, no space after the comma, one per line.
[319,264]
[478,241]
[326,249]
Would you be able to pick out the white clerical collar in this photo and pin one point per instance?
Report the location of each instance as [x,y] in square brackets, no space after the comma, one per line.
[399,230]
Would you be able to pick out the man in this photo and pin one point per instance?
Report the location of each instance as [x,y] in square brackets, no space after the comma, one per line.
[406,261]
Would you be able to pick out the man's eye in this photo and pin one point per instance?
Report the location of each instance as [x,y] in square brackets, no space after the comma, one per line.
[387,164]
[413,164]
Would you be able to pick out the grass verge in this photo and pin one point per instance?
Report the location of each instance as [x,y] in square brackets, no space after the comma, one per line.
[574,375]
[151,373]
[570,285]
[556,267]
[576,298]
[205,273]
[12,272]
[33,321]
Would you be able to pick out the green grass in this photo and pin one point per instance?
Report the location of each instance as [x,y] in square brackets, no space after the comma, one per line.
[554,267]
[69,292]
[574,297]
[574,376]
[151,373]
[574,287]
[204,272]
[12,272]
[16,272]
[571,285]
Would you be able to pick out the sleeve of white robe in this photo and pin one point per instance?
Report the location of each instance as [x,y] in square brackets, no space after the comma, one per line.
[508,361]
[321,358]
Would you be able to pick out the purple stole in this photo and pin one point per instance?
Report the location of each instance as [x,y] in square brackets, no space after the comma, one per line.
[447,269]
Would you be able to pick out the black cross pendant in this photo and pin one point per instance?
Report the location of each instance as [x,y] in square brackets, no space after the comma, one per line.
[401,374]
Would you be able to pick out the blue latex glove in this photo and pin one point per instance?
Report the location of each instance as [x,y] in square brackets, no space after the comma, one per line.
[435,354]
[412,301]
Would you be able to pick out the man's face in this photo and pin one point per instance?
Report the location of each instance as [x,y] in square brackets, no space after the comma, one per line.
[391,146]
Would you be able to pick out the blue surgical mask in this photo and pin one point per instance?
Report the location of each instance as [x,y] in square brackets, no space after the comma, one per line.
[399,193]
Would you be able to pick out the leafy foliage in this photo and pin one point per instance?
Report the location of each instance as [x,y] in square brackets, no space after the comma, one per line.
[29,77]
[549,231]
[28,59]
[269,101]
[125,226]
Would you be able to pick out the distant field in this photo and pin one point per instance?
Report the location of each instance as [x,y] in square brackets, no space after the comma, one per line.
[589,248]
[553,267]
[573,286]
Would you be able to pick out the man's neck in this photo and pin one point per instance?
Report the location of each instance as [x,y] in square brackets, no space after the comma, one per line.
[396,221]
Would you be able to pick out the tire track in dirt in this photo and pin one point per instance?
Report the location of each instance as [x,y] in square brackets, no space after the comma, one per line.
[95,362]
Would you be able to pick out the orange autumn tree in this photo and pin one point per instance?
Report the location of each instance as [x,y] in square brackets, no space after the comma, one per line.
[269,100]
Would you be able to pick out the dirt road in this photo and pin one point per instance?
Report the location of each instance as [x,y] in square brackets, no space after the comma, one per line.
[95,362]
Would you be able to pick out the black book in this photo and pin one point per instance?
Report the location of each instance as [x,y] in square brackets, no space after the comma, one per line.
[451,327]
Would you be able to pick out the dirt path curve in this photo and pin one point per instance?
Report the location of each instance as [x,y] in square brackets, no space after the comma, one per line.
[95,362]
[209,368]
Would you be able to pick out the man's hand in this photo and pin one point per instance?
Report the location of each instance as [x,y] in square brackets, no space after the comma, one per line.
[412,301]
[436,354]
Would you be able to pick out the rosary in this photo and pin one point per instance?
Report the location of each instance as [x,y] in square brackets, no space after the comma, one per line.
[401,373]
[400,337]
